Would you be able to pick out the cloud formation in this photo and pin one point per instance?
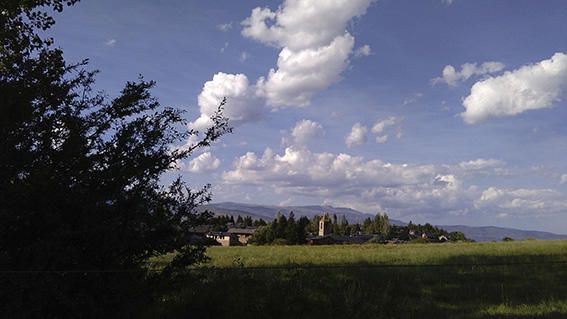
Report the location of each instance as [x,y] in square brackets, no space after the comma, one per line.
[301,74]
[364,50]
[356,136]
[243,105]
[522,201]
[381,127]
[298,167]
[315,46]
[405,189]
[315,50]
[302,24]
[452,77]
[530,87]
[306,130]
[205,162]
[482,166]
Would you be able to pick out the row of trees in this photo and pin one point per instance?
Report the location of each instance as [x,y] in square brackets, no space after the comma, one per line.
[289,231]
[223,222]
[282,230]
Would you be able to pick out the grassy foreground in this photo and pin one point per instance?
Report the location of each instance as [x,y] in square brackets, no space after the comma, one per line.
[410,254]
[480,280]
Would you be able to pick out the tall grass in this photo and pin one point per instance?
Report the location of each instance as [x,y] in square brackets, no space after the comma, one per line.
[414,254]
[481,280]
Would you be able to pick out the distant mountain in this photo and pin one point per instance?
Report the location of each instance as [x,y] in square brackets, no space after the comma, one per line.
[483,233]
[489,233]
[268,212]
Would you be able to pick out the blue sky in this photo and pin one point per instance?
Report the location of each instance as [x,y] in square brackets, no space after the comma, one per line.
[449,112]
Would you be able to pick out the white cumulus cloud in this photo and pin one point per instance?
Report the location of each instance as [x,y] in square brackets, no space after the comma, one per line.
[299,167]
[364,50]
[452,77]
[205,162]
[306,130]
[402,188]
[381,127]
[346,178]
[302,24]
[301,74]
[315,46]
[530,87]
[242,105]
[522,201]
[356,136]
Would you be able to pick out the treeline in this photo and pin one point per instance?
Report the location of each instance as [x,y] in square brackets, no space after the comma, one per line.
[223,222]
[424,233]
[289,231]
[283,231]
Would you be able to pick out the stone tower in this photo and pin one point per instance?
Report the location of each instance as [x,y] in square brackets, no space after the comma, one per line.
[324,225]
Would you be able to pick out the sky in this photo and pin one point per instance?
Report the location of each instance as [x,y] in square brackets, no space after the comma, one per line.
[439,111]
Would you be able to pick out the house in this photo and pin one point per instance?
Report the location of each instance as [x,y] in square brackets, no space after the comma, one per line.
[233,236]
[224,238]
[198,235]
[242,234]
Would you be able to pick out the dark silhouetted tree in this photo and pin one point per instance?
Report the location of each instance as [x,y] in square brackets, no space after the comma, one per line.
[80,178]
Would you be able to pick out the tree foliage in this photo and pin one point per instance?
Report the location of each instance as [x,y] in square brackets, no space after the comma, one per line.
[282,230]
[80,172]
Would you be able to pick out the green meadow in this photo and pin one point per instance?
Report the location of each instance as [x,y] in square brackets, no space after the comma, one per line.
[412,254]
[522,279]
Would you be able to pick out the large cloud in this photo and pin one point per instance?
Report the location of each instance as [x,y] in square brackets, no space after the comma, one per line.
[243,105]
[530,87]
[521,201]
[299,167]
[315,50]
[302,24]
[301,74]
[347,178]
[315,46]
[405,189]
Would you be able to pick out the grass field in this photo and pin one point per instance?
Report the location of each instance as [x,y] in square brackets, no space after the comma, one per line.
[412,254]
[465,280]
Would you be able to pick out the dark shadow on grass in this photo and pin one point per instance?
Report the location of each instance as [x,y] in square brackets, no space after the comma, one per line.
[460,287]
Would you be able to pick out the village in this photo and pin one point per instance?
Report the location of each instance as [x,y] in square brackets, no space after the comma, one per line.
[328,232]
